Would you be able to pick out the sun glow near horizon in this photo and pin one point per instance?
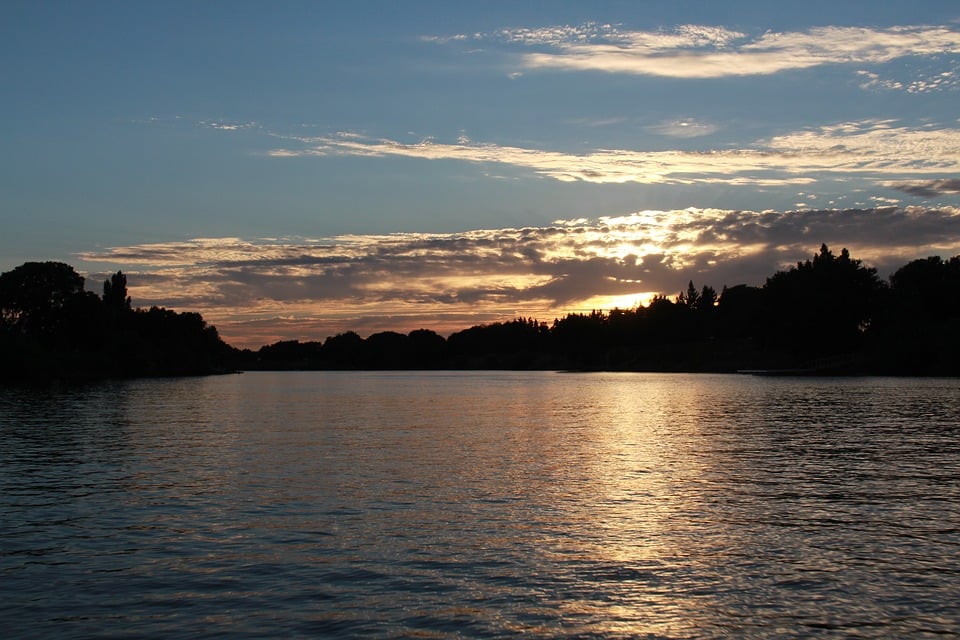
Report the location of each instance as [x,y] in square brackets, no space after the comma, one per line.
[447,166]
[623,302]
[296,288]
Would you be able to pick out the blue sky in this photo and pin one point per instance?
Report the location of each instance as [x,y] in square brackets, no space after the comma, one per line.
[296,169]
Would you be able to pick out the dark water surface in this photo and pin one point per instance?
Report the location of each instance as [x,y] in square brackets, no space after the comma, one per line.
[481,505]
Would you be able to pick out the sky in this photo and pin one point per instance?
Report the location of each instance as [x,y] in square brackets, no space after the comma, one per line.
[293,170]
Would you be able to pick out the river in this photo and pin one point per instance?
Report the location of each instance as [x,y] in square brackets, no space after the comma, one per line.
[481,505]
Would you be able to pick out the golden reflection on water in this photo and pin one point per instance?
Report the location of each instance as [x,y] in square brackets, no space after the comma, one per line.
[641,450]
[619,505]
[609,473]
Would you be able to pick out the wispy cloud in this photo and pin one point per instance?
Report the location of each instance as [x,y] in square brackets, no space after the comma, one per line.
[683,128]
[589,33]
[871,148]
[698,51]
[259,291]
[222,125]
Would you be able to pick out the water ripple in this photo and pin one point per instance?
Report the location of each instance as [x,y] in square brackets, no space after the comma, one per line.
[452,505]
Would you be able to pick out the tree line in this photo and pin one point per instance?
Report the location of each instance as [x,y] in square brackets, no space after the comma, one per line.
[53,330]
[829,315]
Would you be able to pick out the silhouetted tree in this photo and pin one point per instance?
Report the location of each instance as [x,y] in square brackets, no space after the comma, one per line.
[52,329]
[920,329]
[428,348]
[622,328]
[690,299]
[344,350]
[928,288]
[740,312]
[36,298]
[582,339]
[696,311]
[500,345]
[386,350]
[166,342]
[708,299]
[290,354]
[115,292]
[822,306]
[666,320]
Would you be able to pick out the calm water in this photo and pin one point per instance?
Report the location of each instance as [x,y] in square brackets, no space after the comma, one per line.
[481,505]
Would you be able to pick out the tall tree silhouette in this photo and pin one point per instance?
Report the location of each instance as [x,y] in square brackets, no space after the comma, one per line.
[823,306]
[921,324]
[115,292]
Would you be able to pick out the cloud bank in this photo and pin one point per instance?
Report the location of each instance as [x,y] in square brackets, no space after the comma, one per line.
[868,148]
[257,292]
[700,51]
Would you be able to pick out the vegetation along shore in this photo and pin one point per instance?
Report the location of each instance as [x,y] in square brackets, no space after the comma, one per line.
[827,315]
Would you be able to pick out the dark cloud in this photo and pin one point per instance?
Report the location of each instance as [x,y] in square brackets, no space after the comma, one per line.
[930,188]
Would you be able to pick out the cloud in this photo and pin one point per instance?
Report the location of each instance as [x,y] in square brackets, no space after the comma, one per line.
[683,36]
[221,125]
[699,51]
[929,188]
[874,81]
[258,291]
[683,128]
[869,148]
[599,121]
[922,82]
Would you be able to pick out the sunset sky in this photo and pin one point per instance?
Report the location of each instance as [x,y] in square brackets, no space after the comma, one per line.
[298,169]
